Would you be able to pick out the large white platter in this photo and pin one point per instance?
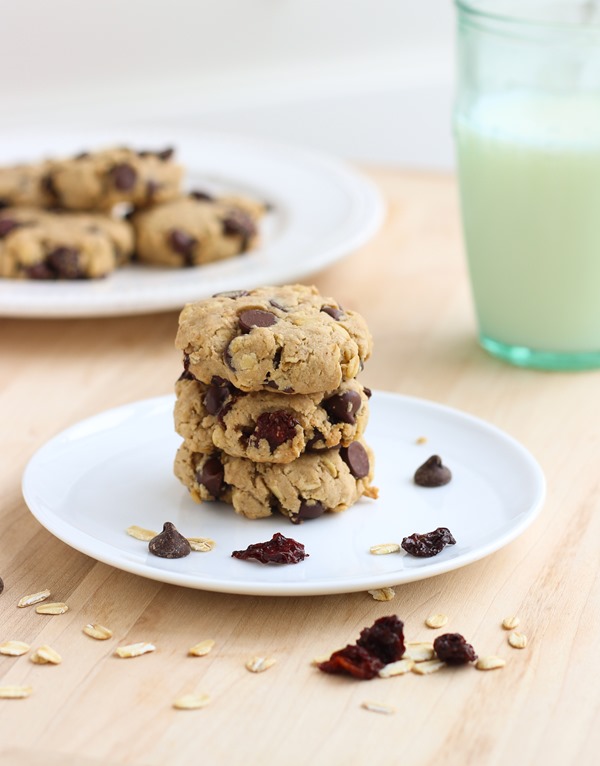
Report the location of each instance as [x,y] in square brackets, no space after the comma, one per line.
[106,473]
[321,210]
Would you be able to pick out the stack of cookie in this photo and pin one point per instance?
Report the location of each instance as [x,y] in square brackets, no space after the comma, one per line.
[83,217]
[269,406]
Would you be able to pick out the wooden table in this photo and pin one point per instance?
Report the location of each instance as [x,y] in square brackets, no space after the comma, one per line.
[542,708]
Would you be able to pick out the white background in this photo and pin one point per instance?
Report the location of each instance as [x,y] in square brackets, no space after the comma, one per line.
[371,80]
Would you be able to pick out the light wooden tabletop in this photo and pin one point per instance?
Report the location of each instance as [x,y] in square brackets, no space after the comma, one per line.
[543,707]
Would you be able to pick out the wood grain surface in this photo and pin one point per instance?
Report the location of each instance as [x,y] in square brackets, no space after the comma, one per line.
[543,707]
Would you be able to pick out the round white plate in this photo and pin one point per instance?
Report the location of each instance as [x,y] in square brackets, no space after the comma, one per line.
[92,481]
[321,210]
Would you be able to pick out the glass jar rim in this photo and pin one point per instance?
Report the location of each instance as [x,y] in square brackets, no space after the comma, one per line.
[555,15]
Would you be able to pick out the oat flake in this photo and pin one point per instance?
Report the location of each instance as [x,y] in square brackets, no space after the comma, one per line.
[436,621]
[55,607]
[33,598]
[383,594]
[398,668]
[490,663]
[99,632]
[202,648]
[145,535]
[378,707]
[259,664]
[191,702]
[134,650]
[426,668]
[14,692]
[14,648]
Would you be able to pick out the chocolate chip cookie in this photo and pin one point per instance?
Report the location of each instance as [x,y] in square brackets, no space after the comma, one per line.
[288,339]
[313,484]
[24,185]
[38,244]
[101,179]
[265,426]
[196,229]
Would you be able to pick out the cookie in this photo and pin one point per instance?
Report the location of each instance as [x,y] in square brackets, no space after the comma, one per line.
[38,244]
[99,180]
[24,185]
[265,426]
[289,339]
[196,229]
[317,482]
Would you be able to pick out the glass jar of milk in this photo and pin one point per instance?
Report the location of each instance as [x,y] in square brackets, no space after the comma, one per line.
[527,131]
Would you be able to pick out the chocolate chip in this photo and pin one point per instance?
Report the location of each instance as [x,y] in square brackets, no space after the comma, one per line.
[1,585]
[47,184]
[277,358]
[186,361]
[367,392]
[276,427]
[356,458]
[239,223]
[64,261]
[211,476]
[164,155]
[201,196]
[4,203]
[218,394]
[181,242]
[7,225]
[124,176]
[256,318]
[277,305]
[432,473]
[316,437]
[40,271]
[271,384]
[186,375]
[333,312]
[342,408]
[309,509]
[228,359]
[169,544]
[82,156]
[151,188]
[233,294]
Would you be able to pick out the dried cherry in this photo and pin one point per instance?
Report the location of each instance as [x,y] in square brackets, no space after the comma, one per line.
[378,645]
[429,543]
[278,550]
[353,660]
[384,639]
[276,427]
[453,649]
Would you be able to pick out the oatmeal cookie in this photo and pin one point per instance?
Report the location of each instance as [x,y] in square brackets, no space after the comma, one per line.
[266,426]
[101,179]
[25,185]
[38,244]
[196,229]
[289,339]
[317,482]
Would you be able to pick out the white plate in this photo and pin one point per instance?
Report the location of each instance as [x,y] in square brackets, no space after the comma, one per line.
[321,211]
[92,481]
